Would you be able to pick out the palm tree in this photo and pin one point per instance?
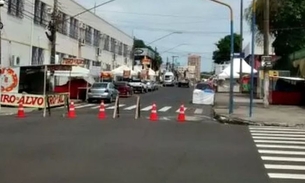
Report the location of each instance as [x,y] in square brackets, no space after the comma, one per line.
[275,8]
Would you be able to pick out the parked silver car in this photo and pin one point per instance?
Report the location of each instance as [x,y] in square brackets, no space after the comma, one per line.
[151,85]
[102,91]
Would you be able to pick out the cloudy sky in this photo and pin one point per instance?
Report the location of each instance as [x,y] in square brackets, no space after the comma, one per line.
[202,23]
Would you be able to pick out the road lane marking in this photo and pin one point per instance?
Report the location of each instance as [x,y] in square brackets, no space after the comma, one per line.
[279,146]
[198,111]
[131,107]
[278,142]
[284,167]
[82,106]
[278,158]
[281,152]
[112,107]
[277,135]
[179,109]
[278,138]
[279,132]
[286,176]
[279,129]
[147,108]
[164,109]
[98,106]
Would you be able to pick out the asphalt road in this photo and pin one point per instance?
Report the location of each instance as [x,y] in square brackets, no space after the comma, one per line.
[167,99]
[86,149]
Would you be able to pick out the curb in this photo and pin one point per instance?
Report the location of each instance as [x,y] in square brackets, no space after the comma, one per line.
[225,119]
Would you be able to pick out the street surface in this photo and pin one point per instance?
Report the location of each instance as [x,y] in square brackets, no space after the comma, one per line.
[124,150]
[282,151]
[167,99]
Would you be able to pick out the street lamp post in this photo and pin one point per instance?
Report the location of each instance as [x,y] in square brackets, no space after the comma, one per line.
[172,48]
[1,4]
[252,56]
[163,37]
[231,54]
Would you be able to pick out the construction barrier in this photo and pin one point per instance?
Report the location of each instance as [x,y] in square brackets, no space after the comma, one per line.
[116,111]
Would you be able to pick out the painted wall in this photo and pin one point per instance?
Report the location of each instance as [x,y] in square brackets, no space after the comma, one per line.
[21,33]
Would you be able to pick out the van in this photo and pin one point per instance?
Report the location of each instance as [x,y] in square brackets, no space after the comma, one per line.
[169,79]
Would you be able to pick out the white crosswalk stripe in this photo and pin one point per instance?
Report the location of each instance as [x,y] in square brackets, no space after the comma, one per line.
[161,109]
[112,107]
[82,106]
[164,109]
[98,106]
[198,111]
[282,151]
[148,108]
[131,107]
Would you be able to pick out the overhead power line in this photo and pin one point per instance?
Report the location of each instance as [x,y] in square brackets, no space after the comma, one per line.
[159,15]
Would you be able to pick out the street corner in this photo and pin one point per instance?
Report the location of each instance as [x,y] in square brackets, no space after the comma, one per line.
[235,120]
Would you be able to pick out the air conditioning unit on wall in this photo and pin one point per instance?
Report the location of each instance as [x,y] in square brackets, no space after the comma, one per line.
[14,61]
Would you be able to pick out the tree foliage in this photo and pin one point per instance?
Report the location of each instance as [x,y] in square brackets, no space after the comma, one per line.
[138,43]
[287,25]
[223,51]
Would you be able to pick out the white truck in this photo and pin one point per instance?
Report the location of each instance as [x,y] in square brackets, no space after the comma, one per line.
[184,80]
[169,79]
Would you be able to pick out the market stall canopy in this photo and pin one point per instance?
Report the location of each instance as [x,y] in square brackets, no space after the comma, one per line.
[151,72]
[246,69]
[119,71]
[76,71]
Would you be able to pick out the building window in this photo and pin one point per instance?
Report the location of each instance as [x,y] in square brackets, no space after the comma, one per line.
[120,52]
[112,40]
[96,64]
[62,25]
[125,50]
[37,56]
[96,38]
[106,45]
[40,14]
[87,63]
[88,35]
[15,8]
[74,28]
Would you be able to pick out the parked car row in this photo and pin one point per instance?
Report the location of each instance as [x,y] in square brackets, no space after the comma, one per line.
[108,91]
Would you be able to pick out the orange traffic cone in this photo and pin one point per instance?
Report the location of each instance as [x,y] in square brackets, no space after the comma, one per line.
[181,115]
[20,113]
[153,114]
[101,114]
[71,112]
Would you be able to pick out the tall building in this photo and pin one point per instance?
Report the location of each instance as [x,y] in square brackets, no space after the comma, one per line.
[86,36]
[195,60]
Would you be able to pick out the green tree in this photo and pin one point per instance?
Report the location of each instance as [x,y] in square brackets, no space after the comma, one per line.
[223,51]
[157,61]
[287,26]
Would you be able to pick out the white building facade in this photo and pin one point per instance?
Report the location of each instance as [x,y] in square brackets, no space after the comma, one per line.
[87,36]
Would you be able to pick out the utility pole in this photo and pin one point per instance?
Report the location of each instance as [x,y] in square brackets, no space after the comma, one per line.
[53,28]
[132,55]
[267,59]
[241,45]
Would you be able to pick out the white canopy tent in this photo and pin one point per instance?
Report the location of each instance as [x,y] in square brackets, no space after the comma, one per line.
[76,72]
[246,68]
[119,71]
[151,72]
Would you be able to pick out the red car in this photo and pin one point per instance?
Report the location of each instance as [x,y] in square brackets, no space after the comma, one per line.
[124,88]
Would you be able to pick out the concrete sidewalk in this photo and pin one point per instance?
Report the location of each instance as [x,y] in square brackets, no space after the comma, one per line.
[289,116]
